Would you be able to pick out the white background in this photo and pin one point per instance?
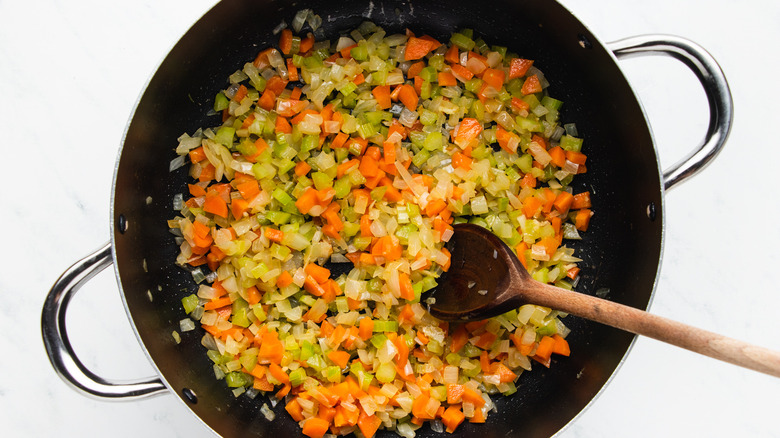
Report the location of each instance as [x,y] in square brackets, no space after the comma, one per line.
[71,71]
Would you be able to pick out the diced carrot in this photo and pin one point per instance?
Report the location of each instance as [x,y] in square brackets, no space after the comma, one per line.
[576,157]
[415,69]
[416,48]
[459,339]
[468,130]
[253,295]
[407,292]
[561,346]
[302,168]
[282,125]
[518,67]
[581,200]
[267,100]
[582,219]
[274,235]
[485,340]
[461,72]
[276,84]
[369,167]
[315,427]
[292,72]
[340,358]
[307,43]
[239,207]
[294,409]
[307,200]
[262,384]
[454,393]
[494,77]
[447,79]
[408,97]
[278,374]
[285,41]
[215,205]
[452,55]
[472,396]
[313,287]
[271,349]
[504,374]
[461,161]
[197,155]
[368,424]
[284,279]
[573,272]
[558,156]
[240,93]
[531,85]
[216,304]
[365,226]
[261,60]
[452,417]
[519,104]
[563,201]
[531,206]
[545,347]
[434,207]
[382,95]
[320,274]
[366,328]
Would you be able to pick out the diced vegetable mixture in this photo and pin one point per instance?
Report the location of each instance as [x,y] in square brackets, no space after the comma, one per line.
[361,153]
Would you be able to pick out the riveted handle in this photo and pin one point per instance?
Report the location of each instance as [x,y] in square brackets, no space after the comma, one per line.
[715,86]
[61,354]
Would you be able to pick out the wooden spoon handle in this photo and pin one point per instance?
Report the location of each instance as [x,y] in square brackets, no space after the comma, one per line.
[666,330]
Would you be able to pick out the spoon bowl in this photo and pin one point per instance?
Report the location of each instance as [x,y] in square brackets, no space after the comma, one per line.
[486,279]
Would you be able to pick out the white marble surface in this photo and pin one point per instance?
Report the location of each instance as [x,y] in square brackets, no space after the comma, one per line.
[70,72]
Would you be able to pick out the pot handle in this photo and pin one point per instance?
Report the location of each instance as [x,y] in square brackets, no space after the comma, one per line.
[58,348]
[715,87]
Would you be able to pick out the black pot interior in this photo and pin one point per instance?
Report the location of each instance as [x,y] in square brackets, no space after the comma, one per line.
[621,249]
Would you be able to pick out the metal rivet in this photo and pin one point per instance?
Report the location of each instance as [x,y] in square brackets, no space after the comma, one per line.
[651,211]
[189,395]
[121,223]
[584,41]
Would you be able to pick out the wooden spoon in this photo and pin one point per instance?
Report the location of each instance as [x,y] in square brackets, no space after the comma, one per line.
[486,279]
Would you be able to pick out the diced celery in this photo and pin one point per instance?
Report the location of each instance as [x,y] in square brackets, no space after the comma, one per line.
[333,374]
[359,53]
[462,41]
[297,376]
[321,180]
[381,326]
[282,196]
[278,217]
[225,136]
[438,392]
[221,102]
[550,103]
[379,339]
[570,143]
[237,379]
[239,317]
[421,158]
[433,141]
[189,303]
[437,62]
[385,373]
